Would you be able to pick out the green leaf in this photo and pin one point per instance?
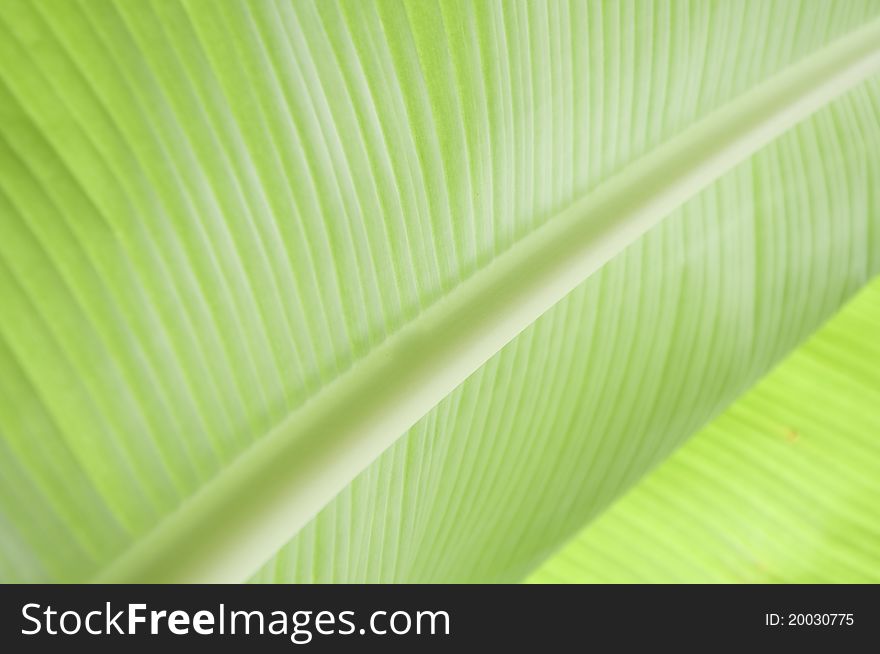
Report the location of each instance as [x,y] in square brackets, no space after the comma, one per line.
[783,487]
[247,245]
[650,348]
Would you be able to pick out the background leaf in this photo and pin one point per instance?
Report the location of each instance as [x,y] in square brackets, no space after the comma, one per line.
[783,487]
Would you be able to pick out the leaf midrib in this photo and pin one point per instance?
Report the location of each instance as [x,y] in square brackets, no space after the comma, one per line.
[228,528]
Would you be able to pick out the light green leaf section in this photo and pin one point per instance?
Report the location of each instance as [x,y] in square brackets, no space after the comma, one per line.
[246,244]
[783,487]
[612,379]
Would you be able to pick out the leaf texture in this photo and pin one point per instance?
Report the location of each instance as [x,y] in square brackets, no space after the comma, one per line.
[213,212]
[650,348]
[783,487]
